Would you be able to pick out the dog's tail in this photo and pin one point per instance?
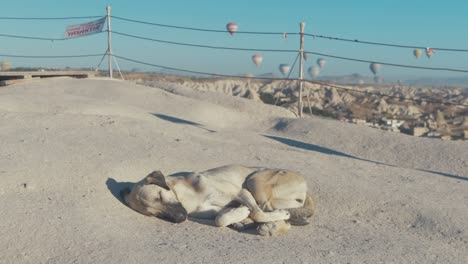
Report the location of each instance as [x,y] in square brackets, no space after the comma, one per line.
[299,215]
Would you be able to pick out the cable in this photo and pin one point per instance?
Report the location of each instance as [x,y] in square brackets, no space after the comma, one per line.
[288,33]
[382,44]
[196,72]
[48,18]
[50,57]
[199,46]
[294,64]
[28,37]
[201,29]
[40,38]
[283,79]
[388,64]
[289,51]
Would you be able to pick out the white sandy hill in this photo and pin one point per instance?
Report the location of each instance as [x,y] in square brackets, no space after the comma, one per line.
[68,146]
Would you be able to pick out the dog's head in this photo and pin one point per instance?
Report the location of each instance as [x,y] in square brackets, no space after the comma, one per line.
[153,197]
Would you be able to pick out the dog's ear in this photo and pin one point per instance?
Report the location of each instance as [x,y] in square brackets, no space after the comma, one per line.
[156,177]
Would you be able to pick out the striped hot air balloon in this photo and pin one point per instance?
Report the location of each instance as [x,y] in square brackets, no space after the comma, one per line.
[232,28]
[430,52]
[257,59]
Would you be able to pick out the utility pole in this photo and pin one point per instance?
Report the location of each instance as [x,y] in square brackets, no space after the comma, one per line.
[301,68]
[109,40]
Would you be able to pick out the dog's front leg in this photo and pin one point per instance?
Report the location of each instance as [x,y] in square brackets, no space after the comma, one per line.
[231,215]
[256,213]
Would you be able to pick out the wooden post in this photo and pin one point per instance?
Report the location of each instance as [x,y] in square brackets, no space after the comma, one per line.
[109,41]
[301,68]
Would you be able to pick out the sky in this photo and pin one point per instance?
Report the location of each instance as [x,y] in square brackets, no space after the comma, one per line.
[426,23]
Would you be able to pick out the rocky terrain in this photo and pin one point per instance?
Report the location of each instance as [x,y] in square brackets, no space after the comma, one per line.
[433,112]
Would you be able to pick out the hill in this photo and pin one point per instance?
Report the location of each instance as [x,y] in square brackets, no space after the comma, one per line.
[68,146]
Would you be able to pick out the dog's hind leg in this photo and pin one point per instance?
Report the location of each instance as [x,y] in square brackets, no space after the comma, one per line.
[257,214]
[273,228]
[231,215]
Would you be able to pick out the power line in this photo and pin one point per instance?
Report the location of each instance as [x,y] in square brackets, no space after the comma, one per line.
[383,44]
[29,37]
[288,33]
[294,64]
[200,46]
[200,29]
[290,51]
[388,64]
[41,38]
[250,49]
[50,56]
[197,72]
[284,79]
[48,18]
[238,32]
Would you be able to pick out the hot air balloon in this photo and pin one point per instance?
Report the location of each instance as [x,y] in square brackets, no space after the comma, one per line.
[284,68]
[314,71]
[417,53]
[285,35]
[232,28]
[430,52]
[257,59]
[321,63]
[306,55]
[375,68]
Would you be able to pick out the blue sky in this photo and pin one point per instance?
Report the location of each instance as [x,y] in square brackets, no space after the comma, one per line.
[416,22]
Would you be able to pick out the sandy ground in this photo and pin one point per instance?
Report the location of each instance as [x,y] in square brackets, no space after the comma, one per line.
[68,146]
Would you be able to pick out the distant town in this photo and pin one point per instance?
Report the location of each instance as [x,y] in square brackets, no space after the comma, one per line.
[418,111]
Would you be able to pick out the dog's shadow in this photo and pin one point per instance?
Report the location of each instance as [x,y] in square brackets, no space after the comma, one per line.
[116,187]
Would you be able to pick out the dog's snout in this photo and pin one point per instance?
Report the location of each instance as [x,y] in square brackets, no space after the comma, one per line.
[175,213]
[179,218]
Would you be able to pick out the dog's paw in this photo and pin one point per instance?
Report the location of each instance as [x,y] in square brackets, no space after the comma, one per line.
[273,228]
[243,225]
[267,229]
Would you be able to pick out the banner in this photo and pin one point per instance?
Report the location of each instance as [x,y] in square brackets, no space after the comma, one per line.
[89,28]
